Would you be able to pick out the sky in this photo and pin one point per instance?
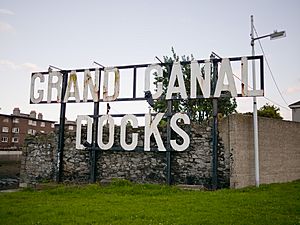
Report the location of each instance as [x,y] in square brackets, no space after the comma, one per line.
[74,34]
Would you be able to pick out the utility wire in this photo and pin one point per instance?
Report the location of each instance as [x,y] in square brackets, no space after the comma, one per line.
[270,68]
[275,103]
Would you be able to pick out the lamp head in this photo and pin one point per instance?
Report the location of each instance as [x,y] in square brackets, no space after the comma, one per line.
[277,34]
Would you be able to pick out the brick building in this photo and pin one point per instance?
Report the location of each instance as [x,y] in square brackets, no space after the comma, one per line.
[15,127]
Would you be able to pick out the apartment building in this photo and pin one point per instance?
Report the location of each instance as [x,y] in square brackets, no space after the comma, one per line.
[15,127]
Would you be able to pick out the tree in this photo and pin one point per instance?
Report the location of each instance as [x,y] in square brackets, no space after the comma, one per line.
[270,111]
[198,109]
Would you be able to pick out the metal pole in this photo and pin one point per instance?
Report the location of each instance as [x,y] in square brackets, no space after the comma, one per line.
[93,150]
[61,137]
[215,132]
[168,153]
[169,134]
[255,120]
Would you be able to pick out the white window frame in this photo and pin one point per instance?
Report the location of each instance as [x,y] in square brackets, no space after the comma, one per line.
[43,124]
[5,120]
[4,139]
[29,131]
[52,125]
[71,128]
[16,120]
[5,129]
[15,130]
[15,140]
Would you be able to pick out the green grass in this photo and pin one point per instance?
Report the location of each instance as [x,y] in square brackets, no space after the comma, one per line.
[126,203]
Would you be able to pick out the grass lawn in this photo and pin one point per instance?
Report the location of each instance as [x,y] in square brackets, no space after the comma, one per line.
[126,203]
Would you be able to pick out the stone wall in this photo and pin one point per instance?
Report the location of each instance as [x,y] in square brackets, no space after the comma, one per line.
[279,149]
[192,166]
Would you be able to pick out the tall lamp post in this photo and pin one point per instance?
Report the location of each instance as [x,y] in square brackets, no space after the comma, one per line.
[273,36]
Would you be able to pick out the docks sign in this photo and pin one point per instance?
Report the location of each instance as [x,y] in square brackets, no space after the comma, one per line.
[63,87]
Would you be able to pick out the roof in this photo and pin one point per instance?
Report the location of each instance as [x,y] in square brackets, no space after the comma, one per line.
[295,105]
[25,116]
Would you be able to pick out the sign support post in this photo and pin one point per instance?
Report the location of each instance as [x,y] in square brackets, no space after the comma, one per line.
[61,137]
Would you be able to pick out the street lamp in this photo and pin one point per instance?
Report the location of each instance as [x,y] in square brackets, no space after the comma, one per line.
[273,36]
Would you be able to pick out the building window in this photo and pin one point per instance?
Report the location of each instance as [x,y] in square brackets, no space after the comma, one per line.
[5,120]
[5,129]
[31,122]
[16,120]
[15,140]
[52,125]
[43,124]
[4,139]
[42,131]
[71,128]
[15,130]
[31,131]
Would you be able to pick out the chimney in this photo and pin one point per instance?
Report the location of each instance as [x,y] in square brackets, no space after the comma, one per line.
[40,116]
[32,114]
[16,112]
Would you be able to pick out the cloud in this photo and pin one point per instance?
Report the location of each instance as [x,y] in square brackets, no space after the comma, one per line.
[293,90]
[5,27]
[24,66]
[7,12]
[8,64]
[30,66]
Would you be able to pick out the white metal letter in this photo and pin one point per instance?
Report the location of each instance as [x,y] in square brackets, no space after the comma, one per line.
[176,74]
[88,84]
[111,123]
[196,75]
[116,72]
[151,128]
[180,132]
[134,123]
[159,84]
[89,122]
[225,69]
[56,85]
[245,85]
[72,83]
[40,92]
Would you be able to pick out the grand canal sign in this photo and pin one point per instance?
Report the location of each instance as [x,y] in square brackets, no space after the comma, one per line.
[66,86]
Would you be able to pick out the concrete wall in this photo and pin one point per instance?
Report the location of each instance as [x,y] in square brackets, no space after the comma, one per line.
[279,150]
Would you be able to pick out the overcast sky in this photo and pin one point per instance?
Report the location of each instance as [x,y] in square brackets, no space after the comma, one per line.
[73,34]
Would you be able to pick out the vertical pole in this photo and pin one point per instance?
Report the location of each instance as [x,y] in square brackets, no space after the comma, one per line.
[255,120]
[93,150]
[168,153]
[61,137]
[215,145]
[215,131]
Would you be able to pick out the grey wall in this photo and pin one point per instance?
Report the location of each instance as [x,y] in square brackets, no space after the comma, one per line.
[296,115]
[279,150]
[279,153]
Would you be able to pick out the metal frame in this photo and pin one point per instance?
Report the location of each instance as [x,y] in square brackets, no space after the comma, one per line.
[94,148]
